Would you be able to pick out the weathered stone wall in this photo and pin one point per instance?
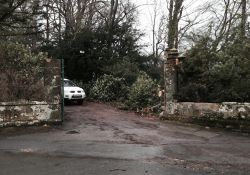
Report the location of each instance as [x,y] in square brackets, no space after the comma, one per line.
[30,92]
[229,115]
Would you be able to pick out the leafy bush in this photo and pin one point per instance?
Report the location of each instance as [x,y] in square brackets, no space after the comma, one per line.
[193,92]
[87,87]
[18,56]
[21,73]
[143,92]
[109,88]
[126,69]
[219,76]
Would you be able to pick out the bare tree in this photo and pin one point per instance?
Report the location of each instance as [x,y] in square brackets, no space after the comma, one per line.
[8,8]
[158,22]
[181,19]
[66,18]
[175,13]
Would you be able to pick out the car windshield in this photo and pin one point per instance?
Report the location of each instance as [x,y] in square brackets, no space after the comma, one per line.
[68,83]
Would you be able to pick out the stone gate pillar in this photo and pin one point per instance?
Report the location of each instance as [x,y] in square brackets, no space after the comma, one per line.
[170,74]
[171,67]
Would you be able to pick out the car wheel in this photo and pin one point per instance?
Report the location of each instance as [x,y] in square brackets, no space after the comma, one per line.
[80,102]
[66,102]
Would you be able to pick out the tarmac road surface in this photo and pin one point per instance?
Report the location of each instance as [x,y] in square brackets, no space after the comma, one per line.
[97,139]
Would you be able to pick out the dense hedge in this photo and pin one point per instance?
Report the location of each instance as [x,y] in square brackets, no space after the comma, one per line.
[143,92]
[109,88]
[216,76]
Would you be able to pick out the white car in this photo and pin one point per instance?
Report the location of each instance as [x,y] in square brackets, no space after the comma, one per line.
[72,92]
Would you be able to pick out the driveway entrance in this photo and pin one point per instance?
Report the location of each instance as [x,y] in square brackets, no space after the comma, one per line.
[97,139]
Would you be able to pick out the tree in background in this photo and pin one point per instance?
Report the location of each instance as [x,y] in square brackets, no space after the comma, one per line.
[20,20]
[217,66]
[89,53]
[99,37]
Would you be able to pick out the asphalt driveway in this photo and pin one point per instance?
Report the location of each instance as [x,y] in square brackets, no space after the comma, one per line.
[97,139]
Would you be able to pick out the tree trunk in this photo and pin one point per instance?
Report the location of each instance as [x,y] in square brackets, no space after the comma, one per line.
[243,19]
[170,25]
[47,23]
[111,21]
[175,13]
